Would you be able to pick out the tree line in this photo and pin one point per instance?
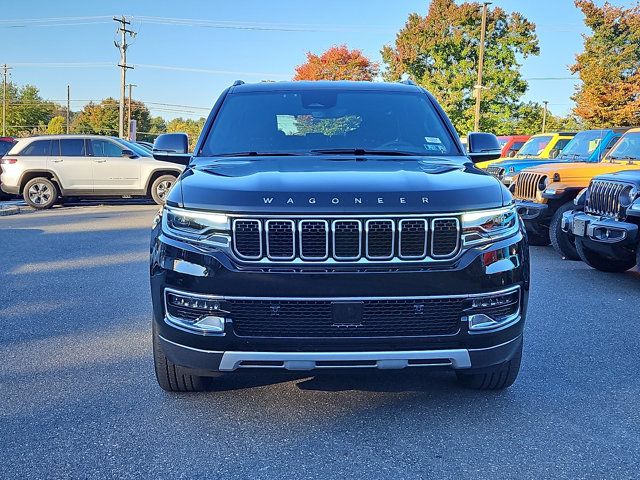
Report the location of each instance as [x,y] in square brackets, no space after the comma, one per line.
[29,114]
[440,52]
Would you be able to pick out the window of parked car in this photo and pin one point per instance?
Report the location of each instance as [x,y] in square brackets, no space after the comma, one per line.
[105,148]
[72,147]
[38,148]
[535,146]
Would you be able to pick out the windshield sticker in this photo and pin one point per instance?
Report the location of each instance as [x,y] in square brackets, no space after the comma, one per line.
[432,140]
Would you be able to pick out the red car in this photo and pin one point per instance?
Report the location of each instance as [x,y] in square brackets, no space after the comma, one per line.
[5,145]
[511,144]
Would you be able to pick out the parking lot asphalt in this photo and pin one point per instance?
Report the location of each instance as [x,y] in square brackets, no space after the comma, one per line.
[79,400]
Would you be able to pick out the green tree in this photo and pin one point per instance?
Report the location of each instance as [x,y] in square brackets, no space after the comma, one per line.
[102,118]
[609,66]
[186,125]
[57,125]
[157,125]
[440,52]
[27,111]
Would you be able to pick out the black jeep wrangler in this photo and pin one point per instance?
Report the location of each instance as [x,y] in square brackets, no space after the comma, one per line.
[330,225]
[605,222]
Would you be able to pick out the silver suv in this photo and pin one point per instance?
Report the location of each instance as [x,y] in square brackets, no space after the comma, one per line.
[45,169]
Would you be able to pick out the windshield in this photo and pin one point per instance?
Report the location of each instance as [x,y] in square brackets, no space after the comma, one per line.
[535,146]
[627,148]
[317,122]
[582,145]
[137,149]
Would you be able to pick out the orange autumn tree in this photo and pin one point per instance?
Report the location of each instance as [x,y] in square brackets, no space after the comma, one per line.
[609,66]
[337,63]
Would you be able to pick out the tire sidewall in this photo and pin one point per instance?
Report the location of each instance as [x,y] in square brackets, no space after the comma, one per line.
[156,182]
[40,206]
[562,242]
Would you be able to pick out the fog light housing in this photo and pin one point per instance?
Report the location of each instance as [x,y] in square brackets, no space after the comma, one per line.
[195,313]
[494,310]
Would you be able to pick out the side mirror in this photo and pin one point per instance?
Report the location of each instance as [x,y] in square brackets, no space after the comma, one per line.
[554,153]
[128,153]
[173,148]
[512,153]
[482,147]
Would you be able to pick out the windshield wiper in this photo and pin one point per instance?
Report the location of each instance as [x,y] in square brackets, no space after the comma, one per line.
[256,154]
[364,151]
[629,158]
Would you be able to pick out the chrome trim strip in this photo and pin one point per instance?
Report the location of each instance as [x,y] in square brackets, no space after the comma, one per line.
[426,238]
[326,239]
[293,238]
[233,230]
[339,299]
[393,238]
[333,237]
[455,251]
[339,216]
[459,358]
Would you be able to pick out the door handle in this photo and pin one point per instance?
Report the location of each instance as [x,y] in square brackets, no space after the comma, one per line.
[99,161]
[57,160]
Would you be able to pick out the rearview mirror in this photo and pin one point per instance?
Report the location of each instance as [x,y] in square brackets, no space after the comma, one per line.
[482,147]
[173,148]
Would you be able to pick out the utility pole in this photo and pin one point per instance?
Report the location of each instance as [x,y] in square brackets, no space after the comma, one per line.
[131,85]
[5,70]
[68,107]
[478,87]
[122,46]
[544,117]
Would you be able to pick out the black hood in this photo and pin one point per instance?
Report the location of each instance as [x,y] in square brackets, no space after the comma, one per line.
[343,184]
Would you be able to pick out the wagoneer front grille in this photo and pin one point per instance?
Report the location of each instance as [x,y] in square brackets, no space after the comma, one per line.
[346,239]
[527,185]
[604,198]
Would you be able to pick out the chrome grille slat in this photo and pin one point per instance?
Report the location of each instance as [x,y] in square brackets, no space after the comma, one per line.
[335,239]
[604,198]
[527,185]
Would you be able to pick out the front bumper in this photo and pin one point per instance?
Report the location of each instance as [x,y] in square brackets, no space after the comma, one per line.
[605,232]
[184,267]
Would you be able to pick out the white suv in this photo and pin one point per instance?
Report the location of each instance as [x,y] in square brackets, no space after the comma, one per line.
[46,168]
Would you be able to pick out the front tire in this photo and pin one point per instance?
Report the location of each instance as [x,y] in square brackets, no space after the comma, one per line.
[161,187]
[562,242]
[40,193]
[498,377]
[172,377]
[605,263]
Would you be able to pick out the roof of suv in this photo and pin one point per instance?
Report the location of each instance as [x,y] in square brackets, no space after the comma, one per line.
[71,135]
[324,85]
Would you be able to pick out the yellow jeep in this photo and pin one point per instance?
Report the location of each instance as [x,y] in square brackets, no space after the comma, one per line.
[537,147]
[545,192]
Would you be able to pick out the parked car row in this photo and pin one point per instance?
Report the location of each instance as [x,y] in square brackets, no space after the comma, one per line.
[584,202]
[49,169]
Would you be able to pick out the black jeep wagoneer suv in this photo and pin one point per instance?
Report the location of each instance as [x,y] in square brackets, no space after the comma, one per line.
[327,225]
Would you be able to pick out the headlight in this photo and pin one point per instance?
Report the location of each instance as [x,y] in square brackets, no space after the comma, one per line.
[201,227]
[489,225]
[581,198]
[628,196]
[544,183]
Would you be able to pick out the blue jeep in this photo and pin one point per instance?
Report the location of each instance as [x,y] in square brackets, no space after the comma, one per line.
[586,146]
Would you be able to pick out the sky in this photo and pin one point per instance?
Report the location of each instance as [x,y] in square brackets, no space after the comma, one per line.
[185,53]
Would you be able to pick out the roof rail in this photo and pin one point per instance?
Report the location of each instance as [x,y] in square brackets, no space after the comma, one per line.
[408,81]
[238,82]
